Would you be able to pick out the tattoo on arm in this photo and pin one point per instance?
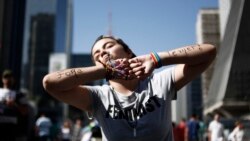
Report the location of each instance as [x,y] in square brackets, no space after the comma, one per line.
[199,46]
[174,53]
[59,74]
[184,50]
[71,72]
[168,53]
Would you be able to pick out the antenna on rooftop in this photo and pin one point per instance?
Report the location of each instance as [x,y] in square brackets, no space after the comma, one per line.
[110,33]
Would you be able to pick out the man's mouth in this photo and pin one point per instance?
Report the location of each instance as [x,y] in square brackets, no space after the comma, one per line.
[106,57]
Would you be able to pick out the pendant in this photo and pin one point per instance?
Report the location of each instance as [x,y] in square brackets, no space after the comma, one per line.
[134,132]
[133,123]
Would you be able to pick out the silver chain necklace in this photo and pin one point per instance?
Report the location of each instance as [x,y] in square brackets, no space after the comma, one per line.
[132,124]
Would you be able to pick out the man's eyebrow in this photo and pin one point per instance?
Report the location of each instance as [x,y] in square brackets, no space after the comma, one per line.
[104,45]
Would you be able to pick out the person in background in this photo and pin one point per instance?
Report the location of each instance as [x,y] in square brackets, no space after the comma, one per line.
[43,125]
[7,93]
[8,107]
[216,129]
[76,133]
[202,129]
[193,128]
[175,132]
[14,110]
[135,104]
[182,129]
[238,133]
[66,130]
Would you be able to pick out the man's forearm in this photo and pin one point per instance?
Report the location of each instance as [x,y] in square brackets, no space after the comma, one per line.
[190,55]
[70,78]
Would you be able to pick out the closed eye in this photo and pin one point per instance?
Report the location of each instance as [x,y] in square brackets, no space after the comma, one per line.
[109,45]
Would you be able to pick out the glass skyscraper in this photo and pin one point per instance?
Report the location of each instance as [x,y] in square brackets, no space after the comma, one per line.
[48,30]
[11,32]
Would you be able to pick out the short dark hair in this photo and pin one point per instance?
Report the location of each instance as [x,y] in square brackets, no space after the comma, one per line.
[7,74]
[118,40]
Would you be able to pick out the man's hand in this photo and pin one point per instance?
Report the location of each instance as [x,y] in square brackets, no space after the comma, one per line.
[141,66]
[116,69]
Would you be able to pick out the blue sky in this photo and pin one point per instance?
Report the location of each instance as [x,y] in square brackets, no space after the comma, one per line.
[145,25]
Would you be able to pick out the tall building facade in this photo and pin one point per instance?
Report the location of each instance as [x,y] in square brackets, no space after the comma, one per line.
[48,30]
[11,32]
[229,92]
[190,99]
[40,44]
[36,11]
[64,28]
[208,31]
[224,10]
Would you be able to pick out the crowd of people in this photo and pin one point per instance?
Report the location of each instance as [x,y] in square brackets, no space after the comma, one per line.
[134,104]
[14,124]
[18,121]
[68,130]
[195,129]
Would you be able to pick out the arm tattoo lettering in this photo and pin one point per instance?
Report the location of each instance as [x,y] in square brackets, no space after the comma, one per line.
[78,71]
[189,48]
[71,72]
[174,53]
[199,46]
[193,47]
[59,74]
[169,53]
[74,72]
[184,50]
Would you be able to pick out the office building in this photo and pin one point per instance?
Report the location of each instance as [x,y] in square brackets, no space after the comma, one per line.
[11,35]
[229,92]
[208,31]
[48,30]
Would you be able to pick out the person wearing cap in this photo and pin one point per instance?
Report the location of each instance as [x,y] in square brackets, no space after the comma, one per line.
[8,107]
[7,93]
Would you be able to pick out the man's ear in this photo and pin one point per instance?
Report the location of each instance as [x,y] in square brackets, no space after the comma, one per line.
[130,54]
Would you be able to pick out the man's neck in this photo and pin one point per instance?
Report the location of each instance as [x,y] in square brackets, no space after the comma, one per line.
[125,87]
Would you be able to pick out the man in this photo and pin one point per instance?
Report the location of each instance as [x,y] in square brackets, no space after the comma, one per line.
[238,133]
[43,125]
[7,94]
[215,129]
[8,109]
[13,109]
[193,128]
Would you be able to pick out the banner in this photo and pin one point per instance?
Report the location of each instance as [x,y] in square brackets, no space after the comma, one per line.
[57,61]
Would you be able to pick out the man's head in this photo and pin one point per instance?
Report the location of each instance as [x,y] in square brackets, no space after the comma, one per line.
[239,124]
[110,46]
[7,79]
[217,117]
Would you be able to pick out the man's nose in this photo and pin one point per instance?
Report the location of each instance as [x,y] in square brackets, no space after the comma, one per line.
[103,52]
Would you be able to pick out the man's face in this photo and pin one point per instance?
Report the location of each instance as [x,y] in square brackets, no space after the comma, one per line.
[8,81]
[108,48]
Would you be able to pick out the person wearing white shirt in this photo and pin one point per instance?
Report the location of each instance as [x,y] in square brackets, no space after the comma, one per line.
[43,125]
[216,129]
[238,133]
